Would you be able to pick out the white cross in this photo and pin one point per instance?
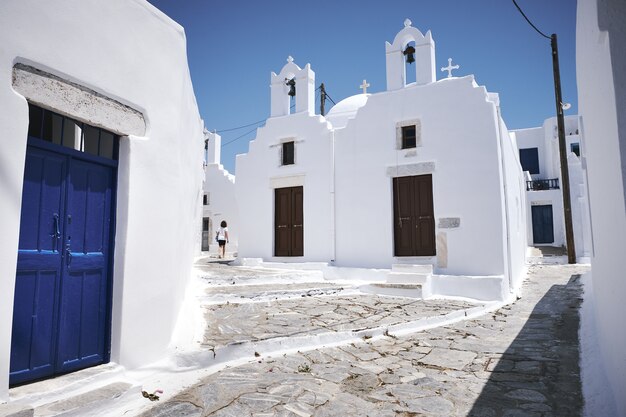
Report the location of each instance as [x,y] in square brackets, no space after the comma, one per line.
[364,86]
[449,68]
[289,59]
[407,23]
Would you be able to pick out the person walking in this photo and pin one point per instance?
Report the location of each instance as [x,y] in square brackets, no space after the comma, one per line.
[222,239]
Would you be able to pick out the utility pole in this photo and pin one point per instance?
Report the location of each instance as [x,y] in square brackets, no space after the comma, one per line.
[322,99]
[567,202]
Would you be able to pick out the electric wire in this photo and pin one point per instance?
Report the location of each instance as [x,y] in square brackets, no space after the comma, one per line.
[529,22]
[240,127]
[256,123]
[239,137]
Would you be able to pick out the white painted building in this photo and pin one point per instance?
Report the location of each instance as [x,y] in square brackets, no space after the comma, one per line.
[601,77]
[415,174]
[218,200]
[539,156]
[99,123]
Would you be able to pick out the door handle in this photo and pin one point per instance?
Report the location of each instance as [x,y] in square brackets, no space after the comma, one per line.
[282,226]
[56,234]
[68,255]
[297,225]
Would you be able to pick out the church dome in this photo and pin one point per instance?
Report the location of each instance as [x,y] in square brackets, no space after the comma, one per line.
[345,110]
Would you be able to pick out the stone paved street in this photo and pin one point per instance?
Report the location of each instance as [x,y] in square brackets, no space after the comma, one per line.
[314,315]
[521,360]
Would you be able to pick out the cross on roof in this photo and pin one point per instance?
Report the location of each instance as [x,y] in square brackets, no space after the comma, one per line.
[364,86]
[289,59]
[449,68]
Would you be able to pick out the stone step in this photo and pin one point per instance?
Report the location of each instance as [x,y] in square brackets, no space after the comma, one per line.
[394,289]
[16,410]
[50,390]
[412,268]
[407,278]
[78,393]
[90,403]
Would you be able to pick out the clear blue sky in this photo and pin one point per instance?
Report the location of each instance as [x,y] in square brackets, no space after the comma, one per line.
[234,45]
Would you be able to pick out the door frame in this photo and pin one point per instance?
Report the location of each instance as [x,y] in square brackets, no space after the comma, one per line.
[291,192]
[532,222]
[113,164]
[395,206]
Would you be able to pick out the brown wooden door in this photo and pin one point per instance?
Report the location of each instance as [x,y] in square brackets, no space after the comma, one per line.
[414,220]
[288,222]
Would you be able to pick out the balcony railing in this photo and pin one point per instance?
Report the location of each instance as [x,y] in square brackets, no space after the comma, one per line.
[539,185]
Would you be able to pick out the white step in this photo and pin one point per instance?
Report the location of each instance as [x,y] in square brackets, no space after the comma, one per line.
[398,290]
[412,268]
[16,410]
[75,394]
[409,274]
[91,402]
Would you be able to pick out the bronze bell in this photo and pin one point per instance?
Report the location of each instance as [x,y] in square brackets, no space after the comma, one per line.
[409,51]
[292,87]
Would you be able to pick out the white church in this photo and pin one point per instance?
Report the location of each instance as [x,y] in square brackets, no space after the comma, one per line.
[412,176]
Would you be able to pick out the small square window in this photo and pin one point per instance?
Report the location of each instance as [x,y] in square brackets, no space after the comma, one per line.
[575,147]
[60,130]
[408,137]
[288,153]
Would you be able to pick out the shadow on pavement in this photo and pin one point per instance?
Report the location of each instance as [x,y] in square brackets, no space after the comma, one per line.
[538,375]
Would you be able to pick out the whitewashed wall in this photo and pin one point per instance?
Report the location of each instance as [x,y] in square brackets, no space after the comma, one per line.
[219,186]
[535,138]
[459,136]
[545,139]
[600,63]
[514,207]
[260,171]
[129,51]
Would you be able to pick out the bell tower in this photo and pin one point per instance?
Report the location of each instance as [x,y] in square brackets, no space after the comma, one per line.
[424,56]
[292,81]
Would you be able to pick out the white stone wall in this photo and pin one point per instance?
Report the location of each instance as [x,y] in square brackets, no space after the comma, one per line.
[514,206]
[259,173]
[545,139]
[458,146]
[128,51]
[219,186]
[600,64]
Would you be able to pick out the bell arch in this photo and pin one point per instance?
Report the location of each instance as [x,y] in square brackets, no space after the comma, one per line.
[424,56]
[303,85]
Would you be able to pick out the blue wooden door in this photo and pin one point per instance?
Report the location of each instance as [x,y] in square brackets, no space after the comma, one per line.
[61,308]
[543,228]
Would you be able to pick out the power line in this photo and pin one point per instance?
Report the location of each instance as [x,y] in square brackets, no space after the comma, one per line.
[529,22]
[238,137]
[240,127]
[249,131]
